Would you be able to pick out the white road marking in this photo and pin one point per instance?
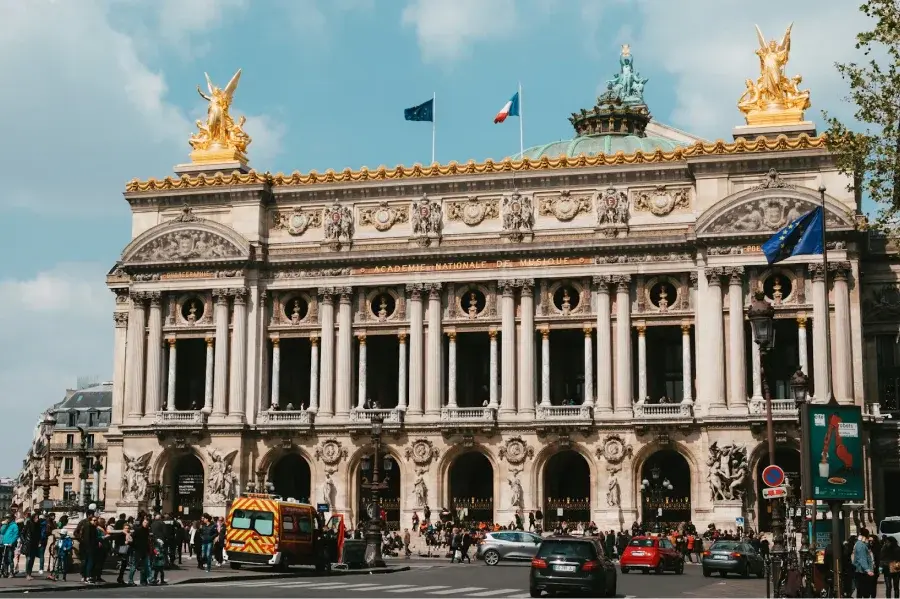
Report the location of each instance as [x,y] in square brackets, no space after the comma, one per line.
[494,592]
[396,586]
[457,591]
[417,589]
[325,585]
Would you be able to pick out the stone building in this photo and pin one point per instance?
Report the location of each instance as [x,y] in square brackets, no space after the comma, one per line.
[546,332]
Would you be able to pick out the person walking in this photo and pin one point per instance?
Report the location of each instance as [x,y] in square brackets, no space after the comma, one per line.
[31,542]
[141,552]
[466,543]
[863,562]
[890,566]
[125,550]
[207,534]
[407,539]
[10,534]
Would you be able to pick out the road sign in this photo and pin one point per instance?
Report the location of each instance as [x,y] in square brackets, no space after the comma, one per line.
[775,492]
[773,476]
[322,507]
[739,521]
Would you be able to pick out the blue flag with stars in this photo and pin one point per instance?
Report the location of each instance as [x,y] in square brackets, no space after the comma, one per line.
[801,237]
[422,112]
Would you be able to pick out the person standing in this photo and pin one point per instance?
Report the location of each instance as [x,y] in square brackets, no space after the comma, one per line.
[125,550]
[863,566]
[207,534]
[31,542]
[890,566]
[140,552]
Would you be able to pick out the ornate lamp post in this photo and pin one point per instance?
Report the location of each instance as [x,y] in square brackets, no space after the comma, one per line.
[159,493]
[655,489]
[47,481]
[800,391]
[374,486]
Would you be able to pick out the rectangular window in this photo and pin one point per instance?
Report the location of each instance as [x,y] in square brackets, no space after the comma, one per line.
[73,419]
[288,524]
[888,372]
[262,522]
[92,418]
[88,490]
[89,464]
[67,492]
[68,463]
[70,441]
[89,440]
[304,525]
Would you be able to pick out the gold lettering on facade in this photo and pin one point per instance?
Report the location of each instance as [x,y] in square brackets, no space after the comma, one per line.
[199,274]
[469,265]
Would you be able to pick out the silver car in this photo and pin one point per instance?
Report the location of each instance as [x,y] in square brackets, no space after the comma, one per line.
[508,544]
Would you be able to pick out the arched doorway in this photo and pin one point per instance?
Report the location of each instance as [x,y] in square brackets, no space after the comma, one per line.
[389,498]
[789,460]
[472,487]
[291,478]
[665,488]
[567,489]
[188,486]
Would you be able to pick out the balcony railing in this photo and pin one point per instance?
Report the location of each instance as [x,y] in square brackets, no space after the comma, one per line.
[485,415]
[390,417]
[662,411]
[781,408]
[184,418]
[286,418]
[579,413]
[76,447]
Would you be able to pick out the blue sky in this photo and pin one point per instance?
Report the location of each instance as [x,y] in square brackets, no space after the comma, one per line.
[96,93]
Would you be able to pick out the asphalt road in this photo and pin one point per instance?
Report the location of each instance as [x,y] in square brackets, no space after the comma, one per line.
[442,580]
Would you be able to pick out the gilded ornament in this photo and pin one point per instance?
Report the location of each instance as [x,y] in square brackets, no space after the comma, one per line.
[298,220]
[565,207]
[774,99]
[660,201]
[383,217]
[220,139]
[473,211]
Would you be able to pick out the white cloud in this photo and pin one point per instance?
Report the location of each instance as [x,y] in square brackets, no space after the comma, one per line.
[709,49]
[268,135]
[447,29]
[55,327]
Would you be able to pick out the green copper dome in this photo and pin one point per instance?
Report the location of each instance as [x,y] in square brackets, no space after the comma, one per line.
[592,145]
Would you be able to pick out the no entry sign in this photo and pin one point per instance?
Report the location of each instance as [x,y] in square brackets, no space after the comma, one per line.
[773,476]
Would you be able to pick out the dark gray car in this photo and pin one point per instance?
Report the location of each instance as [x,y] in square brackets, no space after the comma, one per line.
[733,557]
[507,544]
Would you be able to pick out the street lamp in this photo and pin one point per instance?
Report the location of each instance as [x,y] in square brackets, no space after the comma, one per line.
[159,493]
[374,527]
[47,426]
[800,391]
[654,489]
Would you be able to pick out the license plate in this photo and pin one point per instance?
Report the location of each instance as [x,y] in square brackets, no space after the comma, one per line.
[236,543]
[723,557]
[637,553]
[564,568]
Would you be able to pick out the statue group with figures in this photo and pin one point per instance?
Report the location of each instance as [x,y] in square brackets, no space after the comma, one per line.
[774,95]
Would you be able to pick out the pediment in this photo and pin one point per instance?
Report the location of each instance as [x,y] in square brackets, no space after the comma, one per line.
[187,241]
[760,211]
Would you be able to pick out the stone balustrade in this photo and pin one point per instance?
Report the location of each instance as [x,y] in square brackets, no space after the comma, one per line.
[580,413]
[390,417]
[484,415]
[783,409]
[286,417]
[180,418]
[663,411]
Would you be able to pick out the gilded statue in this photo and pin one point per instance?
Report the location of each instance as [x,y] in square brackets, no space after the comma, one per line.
[220,139]
[774,98]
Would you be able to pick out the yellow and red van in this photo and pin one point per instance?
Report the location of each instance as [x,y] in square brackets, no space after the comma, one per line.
[263,529]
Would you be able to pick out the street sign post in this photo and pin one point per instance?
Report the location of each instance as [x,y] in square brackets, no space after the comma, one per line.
[775,492]
[773,476]
[739,521]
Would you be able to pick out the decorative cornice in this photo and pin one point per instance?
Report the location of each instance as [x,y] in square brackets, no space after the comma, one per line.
[700,149]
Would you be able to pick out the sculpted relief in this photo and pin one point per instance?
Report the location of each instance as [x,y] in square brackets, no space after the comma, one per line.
[473,211]
[565,206]
[298,220]
[384,216]
[518,215]
[661,200]
[767,214]
[188,244]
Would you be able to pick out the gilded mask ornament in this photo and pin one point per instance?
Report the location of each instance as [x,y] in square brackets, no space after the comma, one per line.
[660,201]
[516,451]
[565,207]
[331,452]
[615,450]
[219,139]
[472,211]
[383,217]
[422,452]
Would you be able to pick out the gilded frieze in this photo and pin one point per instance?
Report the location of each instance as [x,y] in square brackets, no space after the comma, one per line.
[473,211]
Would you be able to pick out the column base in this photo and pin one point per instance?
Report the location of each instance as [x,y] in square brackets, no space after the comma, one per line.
[717,409]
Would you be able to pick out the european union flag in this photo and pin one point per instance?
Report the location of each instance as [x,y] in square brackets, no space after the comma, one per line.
[422,112]
[802,236]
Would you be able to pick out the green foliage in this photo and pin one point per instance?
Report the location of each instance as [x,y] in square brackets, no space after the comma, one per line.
[872,156]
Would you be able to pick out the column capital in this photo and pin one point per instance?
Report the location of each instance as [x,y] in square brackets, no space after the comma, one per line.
[507,286]
[314,340]
[545,332]
[275,341]
[401,337]
[801,321]
[623,283]
[602,282]
[121,319]
[451,335]
[434,291]
[527,286]
[361,338]
[171,341]
[345,293]
[210,341]
[588,330]
[816,271]
[714,275]
[735,275]
[327,294]
[841,270]
[239,294]
[492,333]
[138,298]
[155,298]
[415,290]
[221,296]
[641,329]
[686,328]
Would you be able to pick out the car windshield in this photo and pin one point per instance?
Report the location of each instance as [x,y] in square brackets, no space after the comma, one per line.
[260,521]
[576,549]
[641,543]
[890,527]
[725,546]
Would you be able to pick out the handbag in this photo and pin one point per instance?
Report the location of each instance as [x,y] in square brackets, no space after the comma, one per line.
[458,555]
[122,550]
[894,567]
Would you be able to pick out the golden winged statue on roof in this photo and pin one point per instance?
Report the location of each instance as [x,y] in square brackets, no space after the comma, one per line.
[774,98]
[219,138]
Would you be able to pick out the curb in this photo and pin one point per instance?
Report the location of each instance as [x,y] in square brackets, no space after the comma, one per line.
[71,588]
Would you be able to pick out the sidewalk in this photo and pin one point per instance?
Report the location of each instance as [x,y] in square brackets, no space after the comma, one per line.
[183,575]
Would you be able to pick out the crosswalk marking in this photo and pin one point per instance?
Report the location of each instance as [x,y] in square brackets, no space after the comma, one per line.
[325,585]
[417,589]
[494,592]
[457,591]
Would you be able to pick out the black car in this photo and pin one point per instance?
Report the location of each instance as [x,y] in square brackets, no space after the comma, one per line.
[569,564]
[733,557]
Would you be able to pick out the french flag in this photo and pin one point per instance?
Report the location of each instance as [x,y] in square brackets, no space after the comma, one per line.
[511,108]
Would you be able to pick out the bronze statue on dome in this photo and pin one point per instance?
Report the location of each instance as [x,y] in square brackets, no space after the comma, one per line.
[627,86]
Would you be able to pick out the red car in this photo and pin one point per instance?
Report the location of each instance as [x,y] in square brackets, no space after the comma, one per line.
[651,553]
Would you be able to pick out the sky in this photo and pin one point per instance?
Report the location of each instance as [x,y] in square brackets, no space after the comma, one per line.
[95,93]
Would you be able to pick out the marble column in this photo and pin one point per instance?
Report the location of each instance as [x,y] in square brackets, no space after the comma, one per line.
[687,377]
[604,346]
[208,381]
[821,367]
[526,349]
[153,391]
[276,373]
[120,346]
[757,367]
[362,361]
[624,389]
[95,490]
[492,384]
[451,369]
[416,349]
[314,374]
[238,387]
[588,366]
[220,384]
[434,366]
[715,338]
[134,361]
[508,339]
[343,392]
[737,357]
[401,372]
[326,355]
[843,352]
[173,364]
[545,366]
[802,356]
[642,362]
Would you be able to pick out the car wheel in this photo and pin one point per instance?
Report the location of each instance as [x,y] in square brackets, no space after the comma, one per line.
[723,574]
[624,570]
[762,572]
[234,566]
[661,567]
[679,569]
[745,573]
[613,589]
[534,592]
[707,573]
[491,557]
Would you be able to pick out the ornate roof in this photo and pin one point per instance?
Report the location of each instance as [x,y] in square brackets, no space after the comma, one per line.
[594,145]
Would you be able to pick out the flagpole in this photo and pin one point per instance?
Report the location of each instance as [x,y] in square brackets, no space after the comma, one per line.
[521,124]
[829,395]
[433,122]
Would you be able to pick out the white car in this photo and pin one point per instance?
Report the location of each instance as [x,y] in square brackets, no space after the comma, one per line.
[890,527]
